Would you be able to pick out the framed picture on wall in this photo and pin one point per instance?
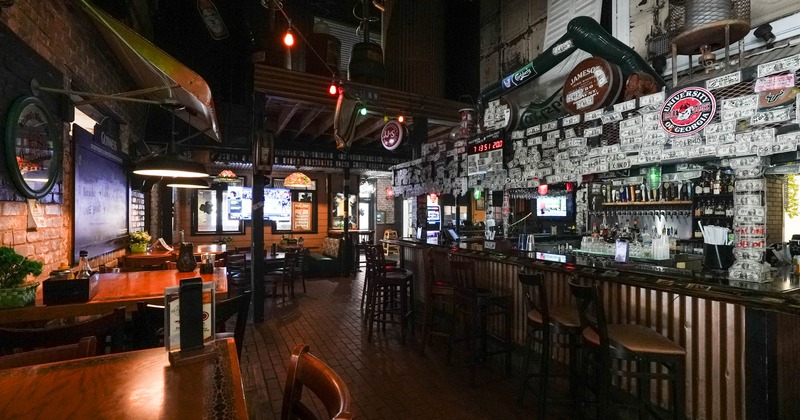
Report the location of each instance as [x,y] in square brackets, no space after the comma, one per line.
[380,217]
[480,204]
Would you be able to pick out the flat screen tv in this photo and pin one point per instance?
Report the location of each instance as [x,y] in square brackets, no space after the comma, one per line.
[556,207]
[277,205]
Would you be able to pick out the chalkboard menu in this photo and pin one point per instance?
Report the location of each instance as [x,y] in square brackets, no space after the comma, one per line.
[101,196]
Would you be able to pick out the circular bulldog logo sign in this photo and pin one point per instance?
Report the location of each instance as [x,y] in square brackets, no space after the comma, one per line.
[687,111]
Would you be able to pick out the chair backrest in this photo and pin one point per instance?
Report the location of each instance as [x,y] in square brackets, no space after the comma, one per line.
[462,272]
[87,347]
[225,309]
[390,234]
[112,325]
[590,310]
[376,263]
[307,371]
[149,325]
[535,293]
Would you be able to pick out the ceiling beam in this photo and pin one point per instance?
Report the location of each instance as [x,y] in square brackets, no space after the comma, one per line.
[285,116]
[323,126]
[308,118]
[367,128]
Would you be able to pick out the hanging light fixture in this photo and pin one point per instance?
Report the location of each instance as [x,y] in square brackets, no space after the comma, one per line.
[171,164]
[542,188]
[195,183]
[298,181]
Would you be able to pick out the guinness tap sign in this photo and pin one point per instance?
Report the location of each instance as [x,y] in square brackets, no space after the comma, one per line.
[687,111]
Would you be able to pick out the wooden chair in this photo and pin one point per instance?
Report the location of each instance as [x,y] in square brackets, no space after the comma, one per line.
[112,325]
[150,321]
[604,343]
[307,371]
[287,275]
[236,267]
[84,348]
[225,309]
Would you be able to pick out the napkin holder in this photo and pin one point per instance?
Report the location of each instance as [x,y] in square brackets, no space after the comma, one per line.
[61,292]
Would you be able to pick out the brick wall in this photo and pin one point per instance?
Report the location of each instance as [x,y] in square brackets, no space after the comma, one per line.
[775,205]
[383,203]
[62,35]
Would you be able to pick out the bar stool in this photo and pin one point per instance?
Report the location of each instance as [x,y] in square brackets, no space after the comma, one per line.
[438,292]
[550,323]
[389,294]
[605,343]
[474,307]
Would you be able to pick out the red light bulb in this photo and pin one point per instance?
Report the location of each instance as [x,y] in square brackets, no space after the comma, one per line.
[288,39]
[333,89]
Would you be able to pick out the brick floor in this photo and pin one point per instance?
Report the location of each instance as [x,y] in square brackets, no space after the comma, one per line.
[387,380]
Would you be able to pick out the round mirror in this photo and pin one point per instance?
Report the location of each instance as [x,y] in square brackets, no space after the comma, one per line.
[33,147]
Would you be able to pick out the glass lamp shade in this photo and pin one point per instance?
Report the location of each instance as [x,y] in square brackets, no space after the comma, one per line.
[298,180]
[196,183]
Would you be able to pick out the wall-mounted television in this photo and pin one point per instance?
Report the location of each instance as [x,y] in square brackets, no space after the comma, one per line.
[555,207]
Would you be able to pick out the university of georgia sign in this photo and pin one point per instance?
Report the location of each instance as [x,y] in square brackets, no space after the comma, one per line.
[687,111]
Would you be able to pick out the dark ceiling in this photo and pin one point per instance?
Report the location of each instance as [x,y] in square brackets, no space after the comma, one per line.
[176,26]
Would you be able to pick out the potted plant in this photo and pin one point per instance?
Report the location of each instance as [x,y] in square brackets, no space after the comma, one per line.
[139,241]
[15,292]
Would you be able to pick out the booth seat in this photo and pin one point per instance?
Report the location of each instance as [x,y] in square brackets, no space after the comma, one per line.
[328,262]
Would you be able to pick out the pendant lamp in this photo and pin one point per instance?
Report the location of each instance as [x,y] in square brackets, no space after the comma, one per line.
[298,180]
[196,183]
[171,164]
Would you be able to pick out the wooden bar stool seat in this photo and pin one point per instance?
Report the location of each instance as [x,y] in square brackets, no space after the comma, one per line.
[438,298]
[389,294]
[545,325]
[606,344]
[474,308]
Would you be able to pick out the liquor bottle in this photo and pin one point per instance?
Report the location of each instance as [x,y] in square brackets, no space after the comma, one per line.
[717,184]
[697,232]
[668,192]
[632,191]
[689,190]
[637,234]
[709,211]
[698,188]
[719,209]
[623,194]
[213,20]
[604,228]
[706,184]
[729,186]
[698,209]
[84,270]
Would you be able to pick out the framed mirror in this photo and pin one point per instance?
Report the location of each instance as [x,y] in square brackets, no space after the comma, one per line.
[33,147]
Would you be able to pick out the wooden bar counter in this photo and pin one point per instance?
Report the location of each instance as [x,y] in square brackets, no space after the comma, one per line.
[741,339]
[133,385]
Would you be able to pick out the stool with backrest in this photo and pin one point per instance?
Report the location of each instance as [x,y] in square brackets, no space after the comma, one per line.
[473,308]
[438,293]
[605,343]
[286,276]
[545,326]
[389,294]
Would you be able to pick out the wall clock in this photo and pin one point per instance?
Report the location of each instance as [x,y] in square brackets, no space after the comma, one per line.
[33,147]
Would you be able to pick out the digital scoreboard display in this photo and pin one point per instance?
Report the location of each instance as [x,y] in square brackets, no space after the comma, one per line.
[485,154]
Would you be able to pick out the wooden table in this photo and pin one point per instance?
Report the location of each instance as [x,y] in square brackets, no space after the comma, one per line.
[133,385]
[153,258]
[114,290]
